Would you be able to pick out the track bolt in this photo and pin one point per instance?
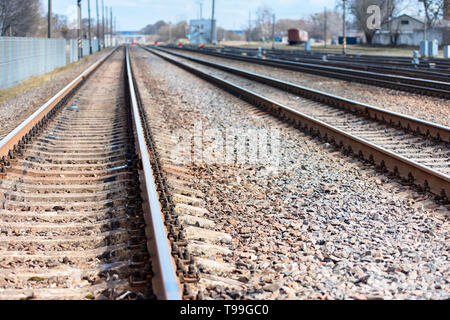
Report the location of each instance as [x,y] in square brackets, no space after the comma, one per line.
[187,291]
[186,255]
[192,269]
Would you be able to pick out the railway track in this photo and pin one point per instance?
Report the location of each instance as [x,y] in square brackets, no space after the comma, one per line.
[410,84]
[74,221]
[399,144]
[300,231]
[429,66]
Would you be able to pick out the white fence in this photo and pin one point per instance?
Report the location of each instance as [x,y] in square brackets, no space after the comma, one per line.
[409,39]
[21,58]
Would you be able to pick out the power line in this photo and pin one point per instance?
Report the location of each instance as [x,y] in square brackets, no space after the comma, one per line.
[212,23]
[49,33]
[103,24]
[344,37]
[325,28]
[98,26]
[80,48]
[89,23]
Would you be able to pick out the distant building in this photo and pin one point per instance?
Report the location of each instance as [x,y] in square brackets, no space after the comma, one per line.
[353,36]
[200,31]
[409,30]
[240,32]
[130,36]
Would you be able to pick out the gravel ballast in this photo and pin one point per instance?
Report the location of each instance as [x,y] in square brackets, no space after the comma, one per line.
[321,226]
[423,107]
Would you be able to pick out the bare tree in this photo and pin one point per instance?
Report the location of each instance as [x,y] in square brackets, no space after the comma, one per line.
[316,23]
[225,35]
[60,28]
[283,25]
[19,18]
[434,10]
[388,9]
[264,22]
[178,31]
[153,28]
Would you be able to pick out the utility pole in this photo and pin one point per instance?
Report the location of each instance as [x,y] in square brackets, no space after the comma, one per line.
[425,27]
[49,18]
[273,32]
[390,21]
[425,7]
[110,23]
[89,32]
[249,26]
[106,24]
[212,23]
[170,31]
[344,36]
[98,27]
[80,48]
[103,25]
[325,28]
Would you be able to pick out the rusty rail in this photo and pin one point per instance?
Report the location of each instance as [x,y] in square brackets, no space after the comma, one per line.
[165,283]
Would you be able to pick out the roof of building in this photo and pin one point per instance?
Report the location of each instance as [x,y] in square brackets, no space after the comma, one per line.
[422,19]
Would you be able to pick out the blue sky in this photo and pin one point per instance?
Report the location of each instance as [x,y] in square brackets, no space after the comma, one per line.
[230,14]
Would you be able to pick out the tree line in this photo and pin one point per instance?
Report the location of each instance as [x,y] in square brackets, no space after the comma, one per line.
[27,18]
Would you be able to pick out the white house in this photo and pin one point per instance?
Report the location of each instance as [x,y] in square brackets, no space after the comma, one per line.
[409,30]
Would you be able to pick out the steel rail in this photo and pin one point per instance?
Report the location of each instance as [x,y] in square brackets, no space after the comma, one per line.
[405,122]
[418,73]
[409,84]
[425,177]
[441,63]
[385,67]
[166,281]
[167,286]
[41,115]
[318,64]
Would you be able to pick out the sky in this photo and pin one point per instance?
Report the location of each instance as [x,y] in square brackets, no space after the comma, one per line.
[230,14]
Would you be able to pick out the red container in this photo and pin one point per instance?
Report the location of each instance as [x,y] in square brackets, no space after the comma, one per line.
[296,36]
[293,36]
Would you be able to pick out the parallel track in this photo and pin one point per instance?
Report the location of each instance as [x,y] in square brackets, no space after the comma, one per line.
[410,84]
[427,66]
[422,171]
[74,223]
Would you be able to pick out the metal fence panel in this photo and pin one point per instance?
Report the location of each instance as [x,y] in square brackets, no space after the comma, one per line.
[21,58]
[73,50]
[85,46]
